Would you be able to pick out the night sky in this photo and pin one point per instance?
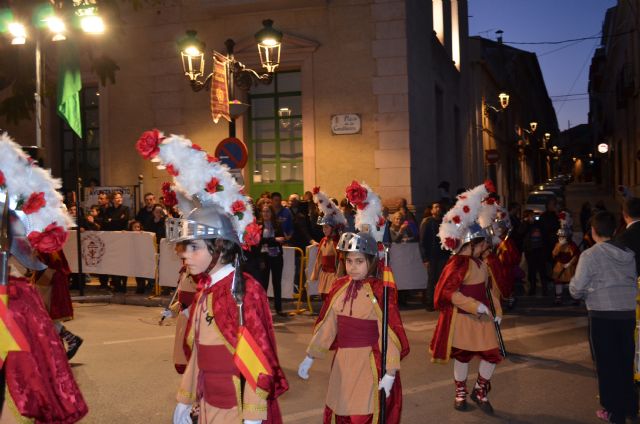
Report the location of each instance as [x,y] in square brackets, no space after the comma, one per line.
[565,66]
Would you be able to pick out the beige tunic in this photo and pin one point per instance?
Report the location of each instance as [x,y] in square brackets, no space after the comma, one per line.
[325,279]
[470,331]
[254,407]
[353,383]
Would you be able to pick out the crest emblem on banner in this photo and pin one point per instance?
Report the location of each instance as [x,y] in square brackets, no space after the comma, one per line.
[93,249]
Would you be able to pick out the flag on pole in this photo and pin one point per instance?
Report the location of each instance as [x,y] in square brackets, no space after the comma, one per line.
[69,86]
[387,277]
[11,337]
[219,89]
[249,358]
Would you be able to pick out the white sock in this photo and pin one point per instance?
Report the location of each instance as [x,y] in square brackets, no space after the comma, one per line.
[486,369]
[460,370]
[559,288]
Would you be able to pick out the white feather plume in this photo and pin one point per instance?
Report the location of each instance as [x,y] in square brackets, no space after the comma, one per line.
[464,213]
[22,179]
[371,215]
[328,208]
[195,171]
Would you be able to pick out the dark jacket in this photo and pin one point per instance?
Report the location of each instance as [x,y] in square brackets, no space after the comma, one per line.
[430,246]
[630,238]
[117,218]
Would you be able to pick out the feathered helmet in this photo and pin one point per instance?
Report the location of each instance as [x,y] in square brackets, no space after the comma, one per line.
[211,202]
[566,225]
[463,222]
[369,221]
[494,218]
[331,214]
[37,219]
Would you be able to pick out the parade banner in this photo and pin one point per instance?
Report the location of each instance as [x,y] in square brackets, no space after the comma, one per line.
[219,89]
[128,253]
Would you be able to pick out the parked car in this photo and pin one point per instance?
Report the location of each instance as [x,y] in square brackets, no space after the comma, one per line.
[537,200]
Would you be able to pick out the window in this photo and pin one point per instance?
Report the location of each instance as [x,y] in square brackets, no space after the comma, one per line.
[275,136]
[88,152]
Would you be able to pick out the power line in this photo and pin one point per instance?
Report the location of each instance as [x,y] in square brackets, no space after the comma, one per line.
[572,40]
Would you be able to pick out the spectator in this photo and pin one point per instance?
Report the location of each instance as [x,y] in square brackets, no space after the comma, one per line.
[409,217]
[157,223]
[630,237]
[585,217]
[270,254]
[443,192]
[314,213]
[301,236]
[534,251]
[606,279]
[117,219]
[349,215]
[89,221]
[434,256]
[515,216]
[140,281]
[282,214]
[144,215]
[399,229]
[550,224]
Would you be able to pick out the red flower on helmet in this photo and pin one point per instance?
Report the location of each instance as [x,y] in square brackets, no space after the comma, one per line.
[490,200]
[450,242]
[381,221]
[456,219]
[252,235]
[212,159]
[148,145]
[465,209]
[214,185]
[315,190]
[488,184]
[196,146]
[562,216]
[357,194]
[50,240]
[462,197]
[172,170]
[34,203]
[169,195]
[3,180]
[238,206]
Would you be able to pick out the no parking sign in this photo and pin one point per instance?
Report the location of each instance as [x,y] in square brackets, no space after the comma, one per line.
[232,152]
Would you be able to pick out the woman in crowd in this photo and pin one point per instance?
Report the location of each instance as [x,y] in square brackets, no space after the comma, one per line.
[399,229]
[270,253]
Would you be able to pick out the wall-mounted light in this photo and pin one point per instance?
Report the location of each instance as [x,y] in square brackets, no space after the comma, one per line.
[603,148]
[533,125]
[504,100]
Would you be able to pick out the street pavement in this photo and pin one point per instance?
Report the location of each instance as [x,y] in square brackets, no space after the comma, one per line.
[126,374]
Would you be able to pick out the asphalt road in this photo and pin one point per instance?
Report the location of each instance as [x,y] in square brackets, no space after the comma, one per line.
[125,371]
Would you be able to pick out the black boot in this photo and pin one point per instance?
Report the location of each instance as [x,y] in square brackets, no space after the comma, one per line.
[73,342]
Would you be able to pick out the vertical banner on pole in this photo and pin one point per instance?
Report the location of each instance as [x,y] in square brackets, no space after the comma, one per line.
[219,89]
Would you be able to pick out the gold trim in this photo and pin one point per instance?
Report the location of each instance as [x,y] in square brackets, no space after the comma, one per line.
[262,394]
[250,407]
[236,384]
[186,394]
[333,299]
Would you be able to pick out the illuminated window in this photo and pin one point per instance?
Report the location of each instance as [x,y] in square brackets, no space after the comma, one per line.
[455,34]
[438,19]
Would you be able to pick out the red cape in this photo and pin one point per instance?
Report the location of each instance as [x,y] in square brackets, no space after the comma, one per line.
[60,307]
[394,401]
[40,381]
[257,319]
[450,281]
[501,274]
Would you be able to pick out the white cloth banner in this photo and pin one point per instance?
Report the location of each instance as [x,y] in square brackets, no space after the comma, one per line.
[288,271]
[406,263]
[128,253]
[312,254]
[169,266]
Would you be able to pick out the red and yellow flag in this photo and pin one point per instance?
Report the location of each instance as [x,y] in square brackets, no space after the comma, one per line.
[11,337]
[387,277]
[250,359]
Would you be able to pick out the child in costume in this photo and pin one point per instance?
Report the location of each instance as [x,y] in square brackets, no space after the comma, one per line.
[465,327]
[565,257]
[332,221]
[38,385]
[350,323]
[230,331]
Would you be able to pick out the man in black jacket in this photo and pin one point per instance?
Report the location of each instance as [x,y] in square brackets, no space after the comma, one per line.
[434,256]
[117,219]
[630,237]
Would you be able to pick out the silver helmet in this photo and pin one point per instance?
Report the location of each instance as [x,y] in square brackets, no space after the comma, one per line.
[362,242]
[473,232]
[328,220]
[202,222]
[20,248]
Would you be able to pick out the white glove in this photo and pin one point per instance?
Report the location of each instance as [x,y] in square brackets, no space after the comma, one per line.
[185,312]
[303,369]
[482,309]
[386,383]
[182,414]
[252,421]
[498,320]
[166,313]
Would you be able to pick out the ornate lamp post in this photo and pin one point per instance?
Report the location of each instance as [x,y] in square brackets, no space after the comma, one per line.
[269,43]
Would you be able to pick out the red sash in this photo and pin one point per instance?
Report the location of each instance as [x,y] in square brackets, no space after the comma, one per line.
[476,291]
[215,381]
[328,263]
[186,298]
[355,332]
